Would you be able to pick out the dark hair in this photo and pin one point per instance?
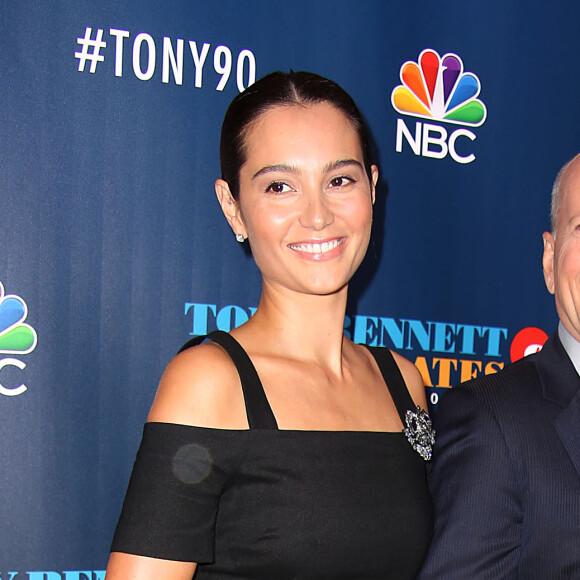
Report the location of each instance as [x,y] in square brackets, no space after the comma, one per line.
[279,88]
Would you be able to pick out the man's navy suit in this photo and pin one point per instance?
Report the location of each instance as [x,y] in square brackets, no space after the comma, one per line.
[506,474]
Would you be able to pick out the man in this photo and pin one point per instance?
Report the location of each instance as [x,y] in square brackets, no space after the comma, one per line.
[506,473]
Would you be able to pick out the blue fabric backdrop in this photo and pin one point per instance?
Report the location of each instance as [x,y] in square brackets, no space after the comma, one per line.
[115,250]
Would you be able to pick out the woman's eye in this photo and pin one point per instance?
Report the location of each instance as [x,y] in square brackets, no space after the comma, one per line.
[340,181]
[278,187]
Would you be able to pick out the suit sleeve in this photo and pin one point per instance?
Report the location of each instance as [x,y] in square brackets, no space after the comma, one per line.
[476,493]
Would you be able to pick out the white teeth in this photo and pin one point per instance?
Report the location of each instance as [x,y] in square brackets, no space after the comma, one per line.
[316,248]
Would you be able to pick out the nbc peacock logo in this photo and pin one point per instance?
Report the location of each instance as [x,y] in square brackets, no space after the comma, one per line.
[16,337]
[437,88]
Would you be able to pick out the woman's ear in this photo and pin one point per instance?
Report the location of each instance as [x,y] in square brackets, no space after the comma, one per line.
[375,176]
[230,207]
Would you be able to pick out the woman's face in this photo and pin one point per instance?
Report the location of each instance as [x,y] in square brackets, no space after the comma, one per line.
[305,201]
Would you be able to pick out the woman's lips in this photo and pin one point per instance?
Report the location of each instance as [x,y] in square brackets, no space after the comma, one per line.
[319,250]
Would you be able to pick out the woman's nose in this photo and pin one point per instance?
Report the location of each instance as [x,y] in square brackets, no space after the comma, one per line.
[316,213]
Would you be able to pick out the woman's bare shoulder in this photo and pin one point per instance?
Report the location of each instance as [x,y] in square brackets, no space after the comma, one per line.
[200,387]
[413,380]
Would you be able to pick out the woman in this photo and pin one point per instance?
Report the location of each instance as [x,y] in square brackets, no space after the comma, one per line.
[277,451]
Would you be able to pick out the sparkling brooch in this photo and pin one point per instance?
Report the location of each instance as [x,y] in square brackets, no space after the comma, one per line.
[419,431]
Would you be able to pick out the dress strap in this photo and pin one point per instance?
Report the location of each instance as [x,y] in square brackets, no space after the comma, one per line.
[394,381]
[258,410]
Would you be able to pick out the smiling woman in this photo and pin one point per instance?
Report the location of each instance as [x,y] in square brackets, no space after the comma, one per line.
[282,449]
[305,198]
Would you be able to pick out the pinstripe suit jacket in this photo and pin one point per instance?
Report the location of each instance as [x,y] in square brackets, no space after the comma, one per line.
[506,474]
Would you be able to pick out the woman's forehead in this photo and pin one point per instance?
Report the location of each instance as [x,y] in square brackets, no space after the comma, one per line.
[312,129]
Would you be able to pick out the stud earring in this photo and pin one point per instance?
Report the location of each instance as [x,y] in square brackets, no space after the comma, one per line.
[240,238]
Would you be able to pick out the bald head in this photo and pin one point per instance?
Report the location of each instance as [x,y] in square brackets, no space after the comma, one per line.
[559,189]
[561,259]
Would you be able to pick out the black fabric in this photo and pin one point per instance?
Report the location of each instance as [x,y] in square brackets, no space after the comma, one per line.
[506,477]
[393,377]
[275,504]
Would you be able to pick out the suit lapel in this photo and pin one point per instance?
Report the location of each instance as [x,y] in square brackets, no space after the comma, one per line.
[561,385]
[567,424]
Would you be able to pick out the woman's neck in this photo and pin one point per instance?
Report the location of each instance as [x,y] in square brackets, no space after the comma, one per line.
[300,326]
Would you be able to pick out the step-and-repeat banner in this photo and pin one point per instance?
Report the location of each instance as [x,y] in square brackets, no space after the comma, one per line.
[115,251]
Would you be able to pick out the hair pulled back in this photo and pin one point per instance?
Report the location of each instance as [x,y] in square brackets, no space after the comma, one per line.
[275,89]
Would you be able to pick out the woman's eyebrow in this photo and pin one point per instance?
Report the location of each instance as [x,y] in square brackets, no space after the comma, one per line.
[333,165]
[289,168]
[280,168]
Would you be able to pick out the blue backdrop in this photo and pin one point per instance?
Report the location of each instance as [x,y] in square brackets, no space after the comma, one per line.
[115,251]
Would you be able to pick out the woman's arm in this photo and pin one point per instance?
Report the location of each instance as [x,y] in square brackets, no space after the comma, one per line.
[200,387]
[130,567]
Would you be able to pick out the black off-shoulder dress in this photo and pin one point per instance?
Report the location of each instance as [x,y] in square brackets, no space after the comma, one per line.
[270,504]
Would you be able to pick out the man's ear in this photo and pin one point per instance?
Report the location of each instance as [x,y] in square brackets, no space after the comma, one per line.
[230,207]
[548,261]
